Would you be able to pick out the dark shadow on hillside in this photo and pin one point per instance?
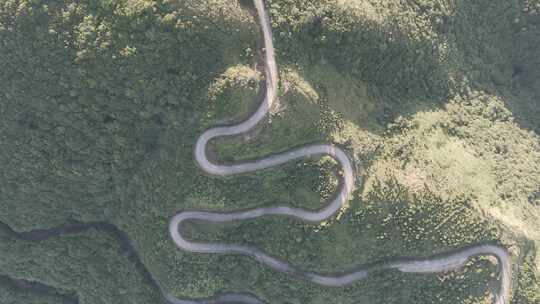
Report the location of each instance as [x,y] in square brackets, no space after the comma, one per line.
[526,74]
[404,75]
[28,287]
[401,76]
[493,47]
[126,249]
[498,44]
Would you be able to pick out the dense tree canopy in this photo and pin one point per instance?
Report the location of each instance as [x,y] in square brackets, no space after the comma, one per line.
[101,102]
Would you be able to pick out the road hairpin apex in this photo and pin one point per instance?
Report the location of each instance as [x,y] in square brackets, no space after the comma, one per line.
[440,263]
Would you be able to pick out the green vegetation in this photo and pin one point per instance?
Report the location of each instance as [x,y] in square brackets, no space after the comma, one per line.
[101,103]
[91,259]
[16,292]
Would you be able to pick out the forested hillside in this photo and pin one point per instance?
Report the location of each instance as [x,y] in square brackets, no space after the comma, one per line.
[101,102]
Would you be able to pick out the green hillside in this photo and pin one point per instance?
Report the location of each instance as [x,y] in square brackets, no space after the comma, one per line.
[101,102]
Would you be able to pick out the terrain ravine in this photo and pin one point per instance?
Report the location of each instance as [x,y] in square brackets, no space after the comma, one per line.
[435,264]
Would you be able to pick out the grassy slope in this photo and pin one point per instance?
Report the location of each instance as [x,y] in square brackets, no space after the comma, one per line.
[102,112]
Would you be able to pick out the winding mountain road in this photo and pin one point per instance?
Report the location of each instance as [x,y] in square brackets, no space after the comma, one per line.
[441,263]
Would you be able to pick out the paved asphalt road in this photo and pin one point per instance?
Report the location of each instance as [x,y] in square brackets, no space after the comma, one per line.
[440,263]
